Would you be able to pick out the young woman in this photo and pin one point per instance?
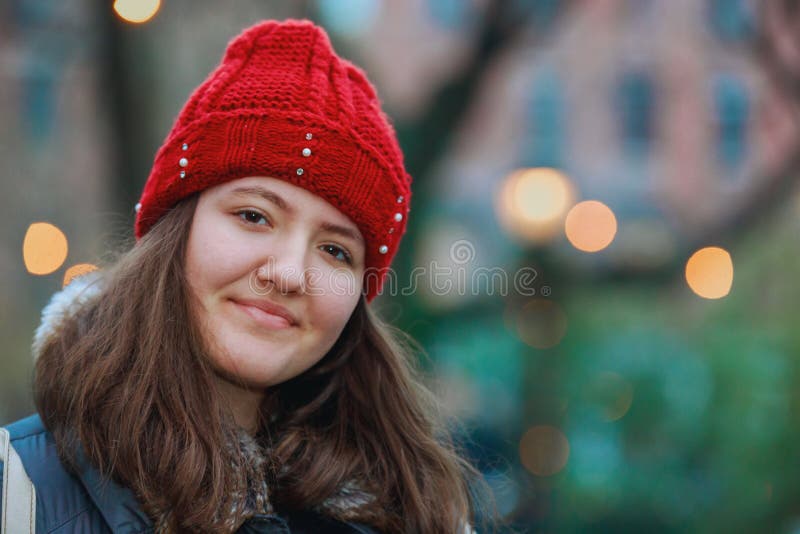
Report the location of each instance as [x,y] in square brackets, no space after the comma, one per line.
[227,373]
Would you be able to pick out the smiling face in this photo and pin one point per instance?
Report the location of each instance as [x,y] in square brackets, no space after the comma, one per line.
[276,272]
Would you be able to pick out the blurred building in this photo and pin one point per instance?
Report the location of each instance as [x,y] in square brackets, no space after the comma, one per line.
[658,109]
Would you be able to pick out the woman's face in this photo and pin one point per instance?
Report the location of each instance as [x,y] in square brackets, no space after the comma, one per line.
[276,272]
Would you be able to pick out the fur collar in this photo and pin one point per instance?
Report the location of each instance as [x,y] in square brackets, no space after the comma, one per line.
[62,305]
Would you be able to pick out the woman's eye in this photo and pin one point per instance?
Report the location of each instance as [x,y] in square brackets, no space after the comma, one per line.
[251,217]
[338,253]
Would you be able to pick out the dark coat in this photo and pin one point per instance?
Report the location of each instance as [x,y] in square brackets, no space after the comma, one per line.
[87,503]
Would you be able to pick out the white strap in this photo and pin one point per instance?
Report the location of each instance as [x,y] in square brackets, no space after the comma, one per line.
[19,495]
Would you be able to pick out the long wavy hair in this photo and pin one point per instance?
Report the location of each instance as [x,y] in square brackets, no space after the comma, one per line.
[133,358]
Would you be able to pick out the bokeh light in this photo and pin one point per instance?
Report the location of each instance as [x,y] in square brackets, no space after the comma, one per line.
[544,450]
[531,203]
[447,256]
[44,248]
[709,272]
[78,270]
[590,226]
[612,394]
[541,323]
[136,11]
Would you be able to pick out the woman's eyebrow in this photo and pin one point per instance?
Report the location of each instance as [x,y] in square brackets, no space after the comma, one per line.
[342,231]
[266,194]
[274,198]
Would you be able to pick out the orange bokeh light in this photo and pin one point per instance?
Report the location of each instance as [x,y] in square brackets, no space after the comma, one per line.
[590,226]
[44,248]
[78,270]
[544,450]
[541,323]
[136,11]
[531,203]
[709,272]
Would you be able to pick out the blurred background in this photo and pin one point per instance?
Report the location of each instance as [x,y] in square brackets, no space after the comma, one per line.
[608,189]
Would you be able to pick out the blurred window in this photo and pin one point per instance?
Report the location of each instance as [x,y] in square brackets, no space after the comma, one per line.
[542,12]
[352,18]
[731,20]
[635,102]
[545,120]
[731,113]
[450,14]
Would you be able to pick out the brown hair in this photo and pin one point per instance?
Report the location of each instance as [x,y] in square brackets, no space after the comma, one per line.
[133,359]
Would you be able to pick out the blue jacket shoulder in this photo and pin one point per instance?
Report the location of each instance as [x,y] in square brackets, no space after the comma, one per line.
[62,504]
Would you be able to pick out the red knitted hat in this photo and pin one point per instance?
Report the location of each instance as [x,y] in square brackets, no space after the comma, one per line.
[283,104]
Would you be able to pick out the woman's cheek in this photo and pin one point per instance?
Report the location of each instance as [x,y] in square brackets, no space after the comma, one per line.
[340,284]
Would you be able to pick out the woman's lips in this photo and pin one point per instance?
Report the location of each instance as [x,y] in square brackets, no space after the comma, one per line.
[263,318]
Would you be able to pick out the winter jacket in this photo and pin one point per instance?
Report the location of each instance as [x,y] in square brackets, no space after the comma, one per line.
[89,504]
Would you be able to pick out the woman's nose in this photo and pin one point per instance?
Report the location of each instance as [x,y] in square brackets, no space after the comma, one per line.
[285,271]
